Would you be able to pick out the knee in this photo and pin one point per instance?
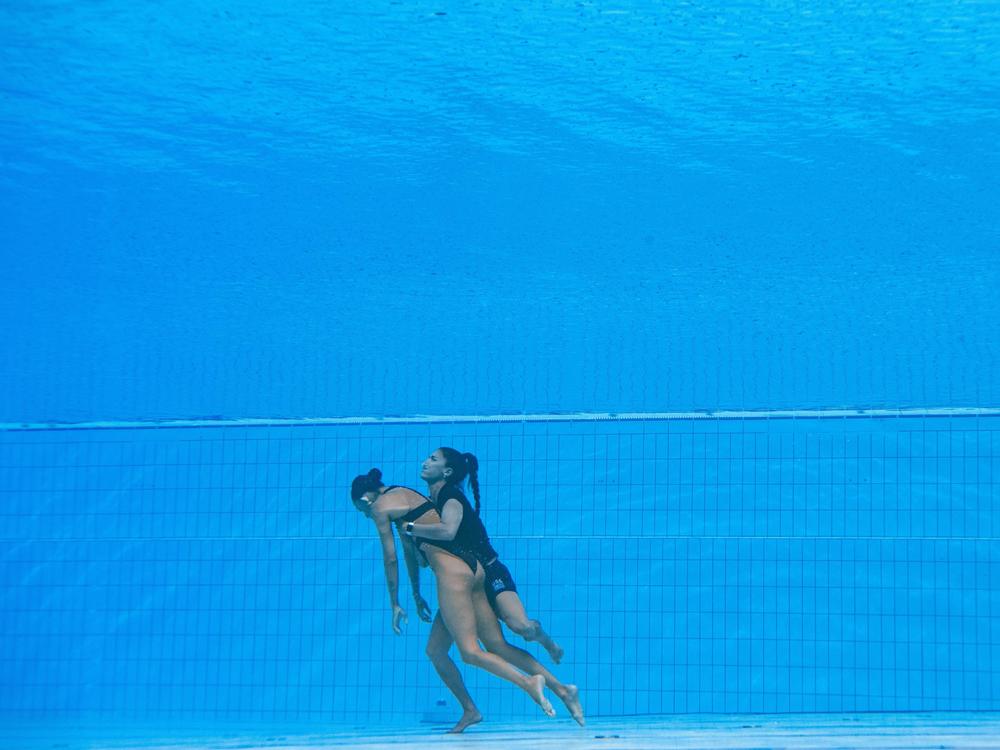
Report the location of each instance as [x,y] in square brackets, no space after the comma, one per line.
[496,645]
[472,656]
[527,629]
[435,652]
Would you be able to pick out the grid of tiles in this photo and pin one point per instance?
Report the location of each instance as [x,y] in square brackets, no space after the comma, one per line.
[703,566]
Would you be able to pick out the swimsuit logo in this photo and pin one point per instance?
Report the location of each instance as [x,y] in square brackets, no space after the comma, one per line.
[497,584]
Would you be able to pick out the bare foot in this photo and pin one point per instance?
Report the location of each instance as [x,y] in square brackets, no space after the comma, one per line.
[555,651]
[536,689]
[468,719]
[572,701]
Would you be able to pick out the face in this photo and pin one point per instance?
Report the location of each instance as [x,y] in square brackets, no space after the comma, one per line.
[433,469]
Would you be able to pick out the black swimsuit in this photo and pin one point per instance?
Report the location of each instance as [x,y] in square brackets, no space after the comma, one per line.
[464,543]
[498,578]
[414,513]
[472,539]
[452,546]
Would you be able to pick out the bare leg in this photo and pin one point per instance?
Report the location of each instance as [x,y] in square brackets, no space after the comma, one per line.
[492,637]
[437,649]
[512,612]
[457,592]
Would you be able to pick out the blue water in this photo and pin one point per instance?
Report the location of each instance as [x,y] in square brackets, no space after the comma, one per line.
[245,210]
[737,566]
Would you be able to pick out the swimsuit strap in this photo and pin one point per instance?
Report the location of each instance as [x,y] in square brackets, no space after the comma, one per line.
[392,487]
[415,513]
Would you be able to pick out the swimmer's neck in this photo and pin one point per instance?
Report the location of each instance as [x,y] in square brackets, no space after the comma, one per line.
[435,488]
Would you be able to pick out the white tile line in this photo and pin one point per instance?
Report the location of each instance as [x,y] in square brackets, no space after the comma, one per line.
[416,419]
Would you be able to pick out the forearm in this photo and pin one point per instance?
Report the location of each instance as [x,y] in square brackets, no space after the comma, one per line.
[412,567]
[392,581]
[439,532]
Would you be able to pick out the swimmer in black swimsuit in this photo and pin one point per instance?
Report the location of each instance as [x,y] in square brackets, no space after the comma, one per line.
[444,471]
[464,608]
[500,587]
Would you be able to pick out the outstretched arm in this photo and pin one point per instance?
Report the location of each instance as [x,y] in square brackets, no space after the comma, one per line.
[413,569]
[384,526]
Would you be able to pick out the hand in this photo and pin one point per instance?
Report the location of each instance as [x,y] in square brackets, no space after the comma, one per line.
[423,611]
[398,616]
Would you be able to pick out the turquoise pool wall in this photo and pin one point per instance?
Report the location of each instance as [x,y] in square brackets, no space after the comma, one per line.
[686,566]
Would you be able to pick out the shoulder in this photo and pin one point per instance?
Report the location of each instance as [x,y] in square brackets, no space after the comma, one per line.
[453,500]
[450,492]
[403,492]
[387,508]
[380,514]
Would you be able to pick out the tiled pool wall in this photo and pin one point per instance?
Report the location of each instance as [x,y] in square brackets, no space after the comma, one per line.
[784,565]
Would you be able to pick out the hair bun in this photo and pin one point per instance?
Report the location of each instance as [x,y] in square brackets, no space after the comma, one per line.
[375,475]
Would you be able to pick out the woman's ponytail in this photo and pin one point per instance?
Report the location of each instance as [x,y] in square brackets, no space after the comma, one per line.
[473,463]
[462,465]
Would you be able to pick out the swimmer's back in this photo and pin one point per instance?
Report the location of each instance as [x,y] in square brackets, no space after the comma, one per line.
[420,508]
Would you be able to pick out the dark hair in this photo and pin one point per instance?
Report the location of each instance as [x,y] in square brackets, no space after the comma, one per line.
[462,465]
[365,483]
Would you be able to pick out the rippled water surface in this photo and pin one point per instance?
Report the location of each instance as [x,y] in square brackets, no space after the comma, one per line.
[252,209]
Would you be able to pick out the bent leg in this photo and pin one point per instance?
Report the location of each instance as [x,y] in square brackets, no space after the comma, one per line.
[438,644]
[492,637]
[456,593]
[512,612]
